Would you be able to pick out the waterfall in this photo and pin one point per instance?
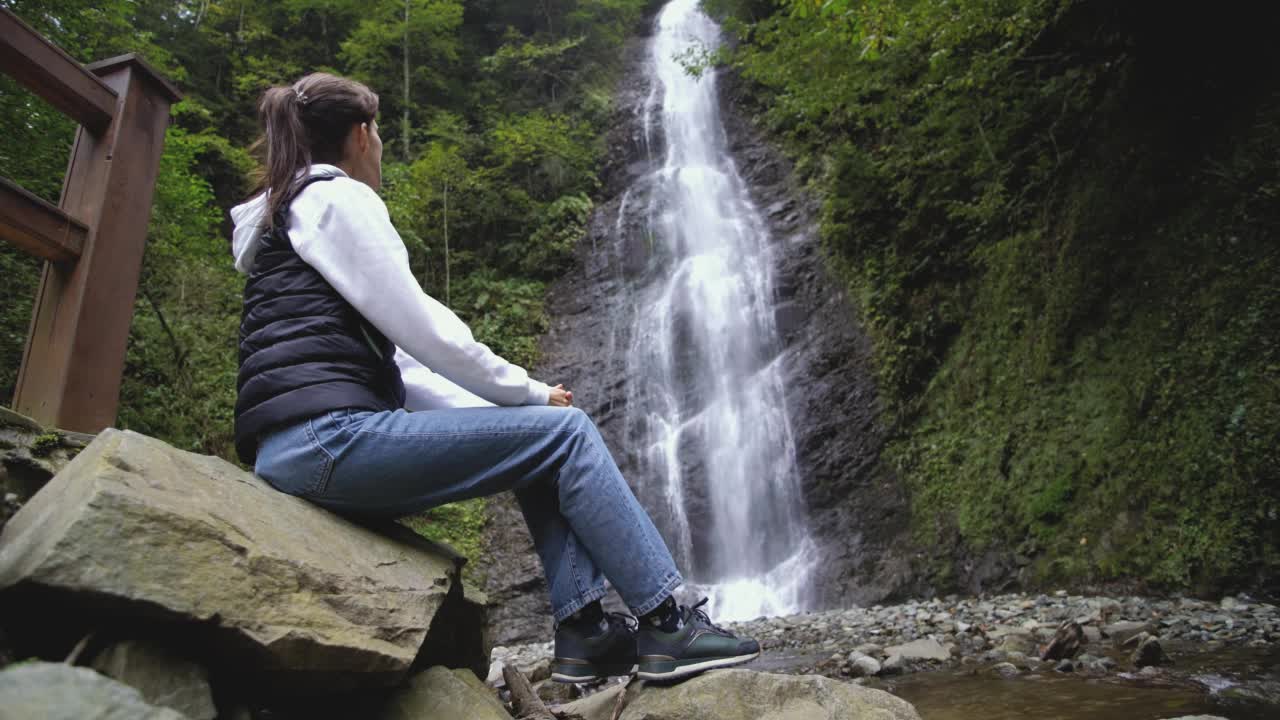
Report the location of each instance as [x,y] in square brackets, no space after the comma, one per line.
[706,398]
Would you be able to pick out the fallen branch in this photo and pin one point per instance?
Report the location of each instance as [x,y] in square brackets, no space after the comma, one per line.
[621,702]
[78,650]
[524,700]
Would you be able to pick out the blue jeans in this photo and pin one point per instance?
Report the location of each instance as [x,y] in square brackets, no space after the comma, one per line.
[585,521]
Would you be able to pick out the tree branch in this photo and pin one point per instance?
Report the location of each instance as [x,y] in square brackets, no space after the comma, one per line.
[179,355]
[524,700]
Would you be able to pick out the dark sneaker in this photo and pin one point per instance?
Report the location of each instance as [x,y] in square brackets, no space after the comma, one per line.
[586,655]
[697,646]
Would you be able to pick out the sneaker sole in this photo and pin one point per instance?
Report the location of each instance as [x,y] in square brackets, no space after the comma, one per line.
[672,669]
[578,673]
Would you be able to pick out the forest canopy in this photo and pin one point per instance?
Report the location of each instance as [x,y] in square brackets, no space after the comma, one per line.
[492,113]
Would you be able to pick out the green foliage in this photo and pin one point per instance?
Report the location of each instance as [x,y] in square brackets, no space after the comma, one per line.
[563,224]
[181,364]
[440,183]
[547,154]
[504,313]
[523,65]
[1077,354]
[22,276]
[45,444]
[375,52]
[459,525]
[870,26]
[35,151]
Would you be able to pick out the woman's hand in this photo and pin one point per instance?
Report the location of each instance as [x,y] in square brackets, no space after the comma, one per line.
[560,397]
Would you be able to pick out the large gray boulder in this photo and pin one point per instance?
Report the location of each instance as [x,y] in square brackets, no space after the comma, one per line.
[443,694]
[280,590]
[747,695]
[922,649]
[1013,640]
[163,677]
[53,691]
[1121,632]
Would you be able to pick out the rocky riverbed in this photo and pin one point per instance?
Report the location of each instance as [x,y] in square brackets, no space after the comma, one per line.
[1115,639]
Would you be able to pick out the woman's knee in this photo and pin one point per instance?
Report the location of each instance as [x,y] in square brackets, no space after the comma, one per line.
[573,418]
[581,431]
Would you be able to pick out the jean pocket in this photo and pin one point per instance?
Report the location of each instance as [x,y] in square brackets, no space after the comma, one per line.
[291,460]
[322,467]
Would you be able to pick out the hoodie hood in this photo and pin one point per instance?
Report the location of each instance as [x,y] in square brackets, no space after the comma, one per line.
[250,217]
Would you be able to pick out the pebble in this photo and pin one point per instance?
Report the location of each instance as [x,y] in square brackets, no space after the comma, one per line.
[894,665]
[1005,669]
[976,628]
[1148,652]
[864,666]
[495,678]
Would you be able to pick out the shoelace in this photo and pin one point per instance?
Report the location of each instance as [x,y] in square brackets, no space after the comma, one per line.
[617,619]
[702,615]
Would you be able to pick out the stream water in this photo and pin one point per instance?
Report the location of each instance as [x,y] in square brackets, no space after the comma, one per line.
[1236,683]
[706,401]
[1200,683]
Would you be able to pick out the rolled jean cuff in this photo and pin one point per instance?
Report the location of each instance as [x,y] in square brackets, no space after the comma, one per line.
[579,602]
[673,581]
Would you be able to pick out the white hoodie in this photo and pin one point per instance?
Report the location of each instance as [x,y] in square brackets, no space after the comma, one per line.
[341,228]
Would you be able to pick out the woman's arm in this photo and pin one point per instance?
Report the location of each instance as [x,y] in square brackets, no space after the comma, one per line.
[426,390]
[342,229]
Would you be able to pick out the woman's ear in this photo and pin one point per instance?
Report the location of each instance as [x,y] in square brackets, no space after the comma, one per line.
[353,145]
[357,141]
[362,137]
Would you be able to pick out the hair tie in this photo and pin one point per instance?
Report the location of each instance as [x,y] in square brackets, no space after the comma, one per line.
[302,97]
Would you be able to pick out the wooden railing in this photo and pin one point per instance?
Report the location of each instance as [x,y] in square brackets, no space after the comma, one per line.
[92,240]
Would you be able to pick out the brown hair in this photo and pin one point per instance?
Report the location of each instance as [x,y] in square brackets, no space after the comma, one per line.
[304,123]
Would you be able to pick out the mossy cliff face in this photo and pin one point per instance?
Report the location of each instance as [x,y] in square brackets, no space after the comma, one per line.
[1058,220]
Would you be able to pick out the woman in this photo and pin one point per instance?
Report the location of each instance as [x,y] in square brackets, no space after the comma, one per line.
[337,405]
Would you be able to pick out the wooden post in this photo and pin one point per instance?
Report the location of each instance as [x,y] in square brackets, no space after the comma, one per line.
[70,376]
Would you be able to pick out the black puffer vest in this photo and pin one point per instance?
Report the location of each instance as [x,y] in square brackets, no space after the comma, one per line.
[304,349]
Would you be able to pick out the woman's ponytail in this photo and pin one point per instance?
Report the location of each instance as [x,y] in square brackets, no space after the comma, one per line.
[285,146]
[304,123]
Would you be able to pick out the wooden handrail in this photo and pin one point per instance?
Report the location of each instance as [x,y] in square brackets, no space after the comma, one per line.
[94,239]
[48,71]
[38,227]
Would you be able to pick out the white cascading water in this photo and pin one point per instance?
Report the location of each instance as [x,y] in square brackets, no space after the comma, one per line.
[706,399]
